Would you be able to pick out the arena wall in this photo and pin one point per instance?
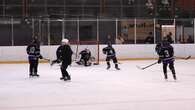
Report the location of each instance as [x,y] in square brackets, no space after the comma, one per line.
[17,54]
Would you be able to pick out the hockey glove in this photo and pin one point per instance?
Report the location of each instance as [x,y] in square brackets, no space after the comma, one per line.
[40,56]
[159,61]
[58,60]
[104,52]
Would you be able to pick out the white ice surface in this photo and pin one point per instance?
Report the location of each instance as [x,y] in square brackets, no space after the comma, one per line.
[95,88]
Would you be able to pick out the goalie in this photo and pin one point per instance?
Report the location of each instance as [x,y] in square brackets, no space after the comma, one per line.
[85,57]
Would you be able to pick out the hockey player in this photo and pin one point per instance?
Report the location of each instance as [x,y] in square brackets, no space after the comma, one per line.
[64,55]
[85,57]
[110,52]
[166,56]
[33,51]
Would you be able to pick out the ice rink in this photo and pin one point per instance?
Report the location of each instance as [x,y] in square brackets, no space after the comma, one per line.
[95,88]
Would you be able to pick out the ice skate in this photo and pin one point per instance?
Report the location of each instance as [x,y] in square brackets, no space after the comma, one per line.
[174,77]
[79,63]
[165,77]
[68,78]
[65,79]
[36,75]
[30,75]
[52,63]
[108,67]
[62,78]
[117,68]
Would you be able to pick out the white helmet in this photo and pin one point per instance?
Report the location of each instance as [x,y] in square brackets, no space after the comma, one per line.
[65,41]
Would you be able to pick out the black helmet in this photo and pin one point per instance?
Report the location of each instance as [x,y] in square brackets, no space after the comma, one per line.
[109,44]
[165,42]
[36,42]
[158,47]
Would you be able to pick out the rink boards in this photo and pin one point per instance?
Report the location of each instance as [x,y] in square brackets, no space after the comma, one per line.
[17,54]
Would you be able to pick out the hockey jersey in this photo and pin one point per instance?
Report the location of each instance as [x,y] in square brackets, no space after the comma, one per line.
[166,53]
[109,51]
[33,52]
[85,54]
[64,53]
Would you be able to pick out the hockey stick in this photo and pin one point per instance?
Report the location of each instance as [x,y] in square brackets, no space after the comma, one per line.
[46,59]
[96,63]
[52,62]
[49,60]
[142,68]
[184,58]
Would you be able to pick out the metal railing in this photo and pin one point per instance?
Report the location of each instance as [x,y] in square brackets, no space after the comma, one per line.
[15,31]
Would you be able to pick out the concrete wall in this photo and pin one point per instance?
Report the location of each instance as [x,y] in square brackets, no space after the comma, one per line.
[18,53]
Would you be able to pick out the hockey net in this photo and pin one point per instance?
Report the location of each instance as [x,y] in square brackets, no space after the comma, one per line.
[78,46]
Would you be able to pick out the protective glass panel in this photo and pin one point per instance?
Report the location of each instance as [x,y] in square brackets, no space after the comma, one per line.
[107,31]
[126,32]
[144,31]
[6,32]
[165,29]
[44,38]
[185,31]
[71,31]
[88,30]
[22,31]
[55,32]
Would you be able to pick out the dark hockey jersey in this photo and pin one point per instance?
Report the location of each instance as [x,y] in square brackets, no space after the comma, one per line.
[109,51]
[85,54]
[166,53]
[64,53]
[33,52]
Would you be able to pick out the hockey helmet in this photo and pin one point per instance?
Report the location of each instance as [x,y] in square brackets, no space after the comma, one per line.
[109,44]
[165,42]
[36,42]
[65,41]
